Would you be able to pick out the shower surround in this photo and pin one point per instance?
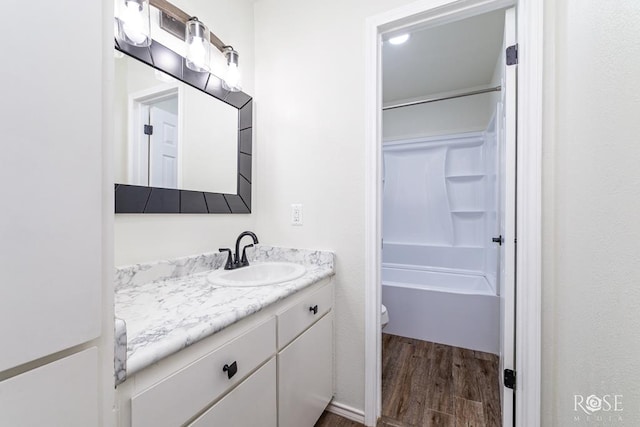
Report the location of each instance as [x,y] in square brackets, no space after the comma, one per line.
[440,265]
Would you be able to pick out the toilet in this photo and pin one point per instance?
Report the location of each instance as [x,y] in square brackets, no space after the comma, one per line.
[384,316]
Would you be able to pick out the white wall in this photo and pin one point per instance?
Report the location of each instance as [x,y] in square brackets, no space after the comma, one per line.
[146,237]
[210,143]
[468,114]
[310,149]
[591,232]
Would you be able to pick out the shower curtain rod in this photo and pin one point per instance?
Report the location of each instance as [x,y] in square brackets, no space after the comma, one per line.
[443,98]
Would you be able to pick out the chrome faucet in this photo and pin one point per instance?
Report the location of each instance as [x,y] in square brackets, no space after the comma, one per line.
[238,261]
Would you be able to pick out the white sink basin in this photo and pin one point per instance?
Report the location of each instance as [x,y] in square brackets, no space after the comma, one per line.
[258,274]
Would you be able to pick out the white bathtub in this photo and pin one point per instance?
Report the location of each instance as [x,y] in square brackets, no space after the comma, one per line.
[461,310]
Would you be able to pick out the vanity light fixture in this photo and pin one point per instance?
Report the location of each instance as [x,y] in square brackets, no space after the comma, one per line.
[133,28]
[197,40]
[134,22]
[231,80]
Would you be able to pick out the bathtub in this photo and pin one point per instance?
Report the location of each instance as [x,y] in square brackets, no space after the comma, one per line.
[450,308]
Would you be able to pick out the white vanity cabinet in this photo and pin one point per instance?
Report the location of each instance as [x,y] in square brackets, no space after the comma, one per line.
[177,398]
[305,387]
[252,403]
[295,318]
[305,359]
[273,368]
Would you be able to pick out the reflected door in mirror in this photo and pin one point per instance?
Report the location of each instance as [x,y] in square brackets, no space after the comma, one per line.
[163,147]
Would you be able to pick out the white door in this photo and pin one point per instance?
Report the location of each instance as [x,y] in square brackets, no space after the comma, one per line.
[60,393]
[507,143]
[51,169]
[163,149]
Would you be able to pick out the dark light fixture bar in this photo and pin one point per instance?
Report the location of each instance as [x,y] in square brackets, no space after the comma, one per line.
[173,19]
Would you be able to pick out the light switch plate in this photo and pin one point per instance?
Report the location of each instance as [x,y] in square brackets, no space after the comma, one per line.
[296,214]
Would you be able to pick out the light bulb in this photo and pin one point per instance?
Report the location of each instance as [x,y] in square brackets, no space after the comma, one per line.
[232,77]
[135,25]
[197,39]
[197,53]
[231,80]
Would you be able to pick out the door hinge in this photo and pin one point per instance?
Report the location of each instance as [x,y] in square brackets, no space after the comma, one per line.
[148,130]
[510,379]
[512,54]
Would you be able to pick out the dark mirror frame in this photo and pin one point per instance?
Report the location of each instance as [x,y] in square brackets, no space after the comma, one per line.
[139,199]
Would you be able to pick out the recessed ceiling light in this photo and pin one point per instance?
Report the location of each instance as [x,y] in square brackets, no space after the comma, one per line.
[402,38]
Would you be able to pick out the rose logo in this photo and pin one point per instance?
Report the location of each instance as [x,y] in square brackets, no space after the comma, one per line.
[593,404]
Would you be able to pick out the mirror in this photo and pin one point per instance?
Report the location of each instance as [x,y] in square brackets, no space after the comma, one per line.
[183,143]
[192,141]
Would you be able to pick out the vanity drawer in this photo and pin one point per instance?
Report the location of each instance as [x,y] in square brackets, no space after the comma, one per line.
[297,318]
[253,403]
[177,398]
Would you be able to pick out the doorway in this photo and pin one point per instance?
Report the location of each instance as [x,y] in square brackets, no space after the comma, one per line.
[155,138]
[448,206]
[432,14]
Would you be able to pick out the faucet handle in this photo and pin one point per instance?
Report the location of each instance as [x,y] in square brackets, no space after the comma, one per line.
[229,263]
[244,261]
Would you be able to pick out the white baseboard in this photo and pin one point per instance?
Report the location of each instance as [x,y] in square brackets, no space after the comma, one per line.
[346,411]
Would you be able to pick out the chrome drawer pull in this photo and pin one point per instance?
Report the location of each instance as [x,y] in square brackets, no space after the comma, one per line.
[230,369]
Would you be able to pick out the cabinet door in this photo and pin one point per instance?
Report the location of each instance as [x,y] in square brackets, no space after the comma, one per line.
[252,403]
[177,398]
[295,319]
[61,393]
[305,376]
[51,174]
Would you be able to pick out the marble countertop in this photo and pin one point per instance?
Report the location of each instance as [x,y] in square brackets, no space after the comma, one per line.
[165,306]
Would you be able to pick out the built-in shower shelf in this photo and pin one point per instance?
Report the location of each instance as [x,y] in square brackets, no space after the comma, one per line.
[469,177]
[455,187]
[468,227]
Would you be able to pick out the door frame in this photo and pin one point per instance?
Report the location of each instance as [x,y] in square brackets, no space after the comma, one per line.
[137,114]
[529,17]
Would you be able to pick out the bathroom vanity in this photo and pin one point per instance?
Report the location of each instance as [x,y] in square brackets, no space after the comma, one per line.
[192,352]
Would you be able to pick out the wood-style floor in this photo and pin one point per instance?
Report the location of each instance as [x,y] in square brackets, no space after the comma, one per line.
[429,384]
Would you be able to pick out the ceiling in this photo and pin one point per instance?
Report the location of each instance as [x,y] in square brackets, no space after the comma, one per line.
[450,57]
